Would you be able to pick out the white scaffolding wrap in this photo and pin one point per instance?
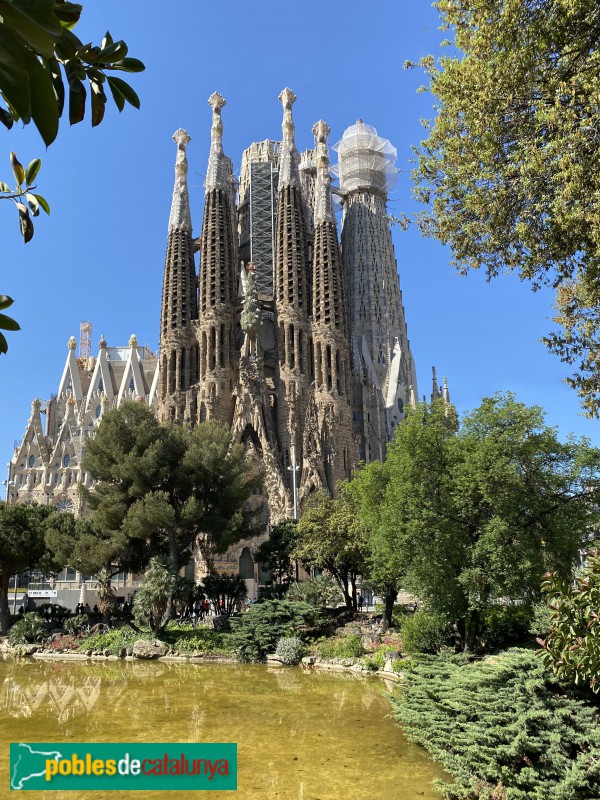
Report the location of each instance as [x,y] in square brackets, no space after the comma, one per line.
[366,160]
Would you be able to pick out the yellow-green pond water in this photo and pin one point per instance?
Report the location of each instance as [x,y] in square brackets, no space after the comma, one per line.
[301,735]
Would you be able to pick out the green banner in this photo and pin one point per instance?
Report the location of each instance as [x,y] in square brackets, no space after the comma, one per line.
[78,766]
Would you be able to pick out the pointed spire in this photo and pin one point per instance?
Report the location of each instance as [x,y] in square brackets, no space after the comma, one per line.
[323,198]
[217,176]
[180,207]
[288,158]
[446,390]
[435,391]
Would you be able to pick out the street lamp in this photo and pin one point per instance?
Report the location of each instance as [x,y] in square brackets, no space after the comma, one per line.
[294,469]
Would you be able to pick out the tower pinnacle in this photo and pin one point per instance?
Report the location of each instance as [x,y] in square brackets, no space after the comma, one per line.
[180,207]
[217,174]
[288,159]
[323,202]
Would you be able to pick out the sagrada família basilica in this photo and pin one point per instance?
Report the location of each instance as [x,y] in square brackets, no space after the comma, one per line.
[293,335]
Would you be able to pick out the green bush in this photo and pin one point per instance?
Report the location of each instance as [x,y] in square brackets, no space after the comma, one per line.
[502,727]
[257,631]
[571,647]
[540,619]
[31,628]
[319,592]
[424,632]
[290,649]
[76,624]
[202,639]
[505,625]
[377,659]
[349,646]
[113,641]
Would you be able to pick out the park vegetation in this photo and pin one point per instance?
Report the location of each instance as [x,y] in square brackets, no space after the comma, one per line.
[508,171]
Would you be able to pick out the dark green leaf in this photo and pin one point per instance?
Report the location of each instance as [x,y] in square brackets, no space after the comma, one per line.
[125,90]
[68,13]
[9,324]
[43,202]
[6,118]
[67,45]
[25,222]
[117,96]
[40,12]
[3,344]
[77,95]
[5,301]
[32,170]
[29,30]
[129,65]
[113,52]
[98,103]
[14,80]
[17,168]
[4,187]
[44,108]
[57,82]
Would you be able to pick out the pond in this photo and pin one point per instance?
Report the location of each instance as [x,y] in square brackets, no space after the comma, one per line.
[301,735]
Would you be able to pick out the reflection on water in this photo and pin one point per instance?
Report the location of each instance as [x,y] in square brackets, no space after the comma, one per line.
[300,735]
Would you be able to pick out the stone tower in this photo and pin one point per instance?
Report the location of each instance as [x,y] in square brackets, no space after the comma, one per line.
[178,345]
[383,371]
[330,353]
[291,292]
[217,282]
[300,347]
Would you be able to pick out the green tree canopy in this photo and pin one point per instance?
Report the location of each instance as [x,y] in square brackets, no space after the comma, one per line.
[159,488]
[275,554]
[387,496]
[330,536]
[476,515]
[22,547]
[511,168]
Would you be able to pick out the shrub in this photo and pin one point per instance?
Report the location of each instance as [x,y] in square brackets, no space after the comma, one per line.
[290,649]
[424,632]
[151,599]
[349,646]
[64,644]
[572,645]
[540,619]
[256,632]
[502,727]
[225,592]
[31,628]
[377,659]
[202,639]
[76,624]
[113,640]
[505,625]
[319,592]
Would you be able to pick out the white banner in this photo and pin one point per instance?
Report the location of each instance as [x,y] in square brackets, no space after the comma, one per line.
[42,593]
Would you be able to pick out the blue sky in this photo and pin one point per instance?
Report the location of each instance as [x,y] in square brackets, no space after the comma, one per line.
[100,255]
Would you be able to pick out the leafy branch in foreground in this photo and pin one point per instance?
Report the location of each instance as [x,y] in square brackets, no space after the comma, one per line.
[509,168]
[572,645]
[38,45]
[38,51]
[23,196]
[6,323]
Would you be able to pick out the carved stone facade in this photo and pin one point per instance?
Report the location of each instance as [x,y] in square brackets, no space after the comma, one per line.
[46,465]
[298,343]
[310,377]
